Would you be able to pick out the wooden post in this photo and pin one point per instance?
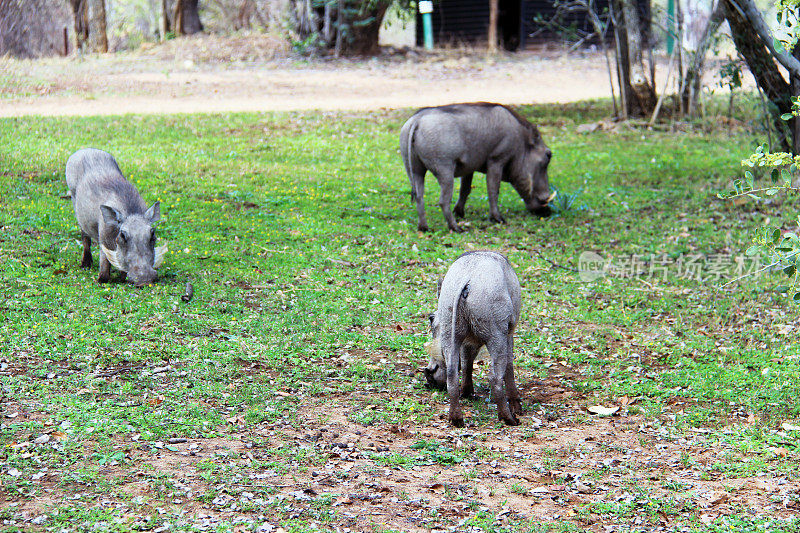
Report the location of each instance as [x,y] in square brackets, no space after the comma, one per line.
[66,42]
[492,37]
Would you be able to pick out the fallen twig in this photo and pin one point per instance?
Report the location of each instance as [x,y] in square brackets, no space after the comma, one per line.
[553,263]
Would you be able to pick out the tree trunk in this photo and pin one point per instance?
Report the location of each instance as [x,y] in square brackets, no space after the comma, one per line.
[181,17]
[166,26]
[80,14]
[177,17]
[762,65]
[692,82]
[492,35]
[98,37]
[623,64]
[339,28]
[191,18]
[363,28]
[643,94]
[794,124]
[327,24]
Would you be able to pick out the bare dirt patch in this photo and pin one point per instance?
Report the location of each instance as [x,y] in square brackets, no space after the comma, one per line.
[412,476]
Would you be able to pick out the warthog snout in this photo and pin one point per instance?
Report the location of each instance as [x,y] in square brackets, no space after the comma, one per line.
[436,371]
[142,276]
[539,207]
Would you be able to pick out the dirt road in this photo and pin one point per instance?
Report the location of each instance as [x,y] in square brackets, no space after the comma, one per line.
[136,83]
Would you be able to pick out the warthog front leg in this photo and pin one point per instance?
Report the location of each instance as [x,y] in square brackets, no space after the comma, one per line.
[86,260]
[494,174]
[105,269]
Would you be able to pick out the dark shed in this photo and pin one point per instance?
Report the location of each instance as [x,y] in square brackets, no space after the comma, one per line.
[519,21]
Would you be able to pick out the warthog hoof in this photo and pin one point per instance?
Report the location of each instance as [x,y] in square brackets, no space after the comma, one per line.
[457,422]
[511,420]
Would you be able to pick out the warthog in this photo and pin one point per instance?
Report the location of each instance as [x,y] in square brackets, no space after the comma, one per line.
[460,139]
[111,212]
[479,304]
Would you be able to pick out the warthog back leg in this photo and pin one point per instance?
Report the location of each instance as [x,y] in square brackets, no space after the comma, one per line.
[511,384]
[451,354]
[501,360]
[463,194]
[446,179]
[418,195]
[86,260]
[468,353]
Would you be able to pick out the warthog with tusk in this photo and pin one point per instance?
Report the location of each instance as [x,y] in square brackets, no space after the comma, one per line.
[457,140]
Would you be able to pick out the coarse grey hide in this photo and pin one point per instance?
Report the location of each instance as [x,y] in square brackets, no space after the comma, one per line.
[479,305]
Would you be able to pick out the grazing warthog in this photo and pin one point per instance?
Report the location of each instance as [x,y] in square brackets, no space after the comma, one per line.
[479,304]
[460,139]
[111,212]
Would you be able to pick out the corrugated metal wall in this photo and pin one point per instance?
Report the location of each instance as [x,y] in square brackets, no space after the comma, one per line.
[457,21]
[467,21]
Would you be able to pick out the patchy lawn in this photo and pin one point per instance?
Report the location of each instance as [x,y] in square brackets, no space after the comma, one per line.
[286,393]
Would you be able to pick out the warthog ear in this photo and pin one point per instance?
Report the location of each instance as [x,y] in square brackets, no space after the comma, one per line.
[533,136]
[111,255]
[434,351]
[154,213]
[160,252]
[111,215]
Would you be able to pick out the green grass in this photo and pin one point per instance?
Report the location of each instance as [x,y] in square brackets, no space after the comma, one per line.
[299,237]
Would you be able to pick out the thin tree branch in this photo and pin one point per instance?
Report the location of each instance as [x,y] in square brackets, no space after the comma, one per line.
[749,11]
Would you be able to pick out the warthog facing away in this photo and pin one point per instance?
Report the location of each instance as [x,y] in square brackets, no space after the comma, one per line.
[460,139]
[479,304]
[111,212]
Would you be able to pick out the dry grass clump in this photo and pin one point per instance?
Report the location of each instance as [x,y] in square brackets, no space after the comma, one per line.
[244,46]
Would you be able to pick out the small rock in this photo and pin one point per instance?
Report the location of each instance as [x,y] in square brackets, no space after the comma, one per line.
[588,128]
